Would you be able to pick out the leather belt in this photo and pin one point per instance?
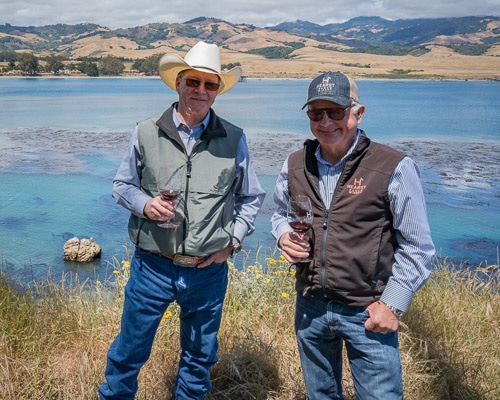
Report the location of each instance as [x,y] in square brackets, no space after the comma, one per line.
[185,261]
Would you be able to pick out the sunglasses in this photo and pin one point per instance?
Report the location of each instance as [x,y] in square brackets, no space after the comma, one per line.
[194,83]
[334,113]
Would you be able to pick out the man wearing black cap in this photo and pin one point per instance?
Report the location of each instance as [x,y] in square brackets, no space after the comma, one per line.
[370,246]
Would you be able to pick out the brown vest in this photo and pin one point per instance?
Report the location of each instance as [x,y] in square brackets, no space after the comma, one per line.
[354,240]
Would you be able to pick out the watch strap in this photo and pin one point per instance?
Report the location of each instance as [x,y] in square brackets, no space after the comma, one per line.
[397,313]
[235,246]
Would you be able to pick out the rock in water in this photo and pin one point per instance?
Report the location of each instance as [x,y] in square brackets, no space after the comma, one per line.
[83,250]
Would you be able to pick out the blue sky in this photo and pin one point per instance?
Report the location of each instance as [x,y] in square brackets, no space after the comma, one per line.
[261,13]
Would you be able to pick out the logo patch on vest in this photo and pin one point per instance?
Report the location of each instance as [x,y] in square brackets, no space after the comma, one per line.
[357,187]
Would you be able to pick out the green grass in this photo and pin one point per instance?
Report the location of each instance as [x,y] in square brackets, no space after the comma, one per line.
[54,338]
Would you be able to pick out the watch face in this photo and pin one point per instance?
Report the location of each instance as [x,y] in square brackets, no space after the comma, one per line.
[396,312]
[236,246]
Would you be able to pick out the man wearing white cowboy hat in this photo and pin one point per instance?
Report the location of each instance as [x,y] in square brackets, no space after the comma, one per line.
[214,210]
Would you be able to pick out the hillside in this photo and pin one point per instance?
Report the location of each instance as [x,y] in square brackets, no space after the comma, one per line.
[462,48]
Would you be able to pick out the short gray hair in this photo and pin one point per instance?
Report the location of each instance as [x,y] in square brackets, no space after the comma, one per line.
[355,107]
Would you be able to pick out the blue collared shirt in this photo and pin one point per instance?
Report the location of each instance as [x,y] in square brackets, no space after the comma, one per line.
[413,256]
[249,195]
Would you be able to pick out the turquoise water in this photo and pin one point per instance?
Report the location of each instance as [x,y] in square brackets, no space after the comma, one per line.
[62,139]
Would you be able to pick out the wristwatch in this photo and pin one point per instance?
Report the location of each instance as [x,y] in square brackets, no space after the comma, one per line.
[397,313]
[235,246]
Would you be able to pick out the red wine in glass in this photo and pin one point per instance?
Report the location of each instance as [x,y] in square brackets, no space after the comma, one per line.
[169,195]
[300,226]
[300,216]
[169,192]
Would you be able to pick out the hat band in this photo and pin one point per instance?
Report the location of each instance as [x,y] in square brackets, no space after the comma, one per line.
[206,68]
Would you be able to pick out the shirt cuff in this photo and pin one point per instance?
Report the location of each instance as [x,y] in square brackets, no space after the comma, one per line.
[280,230]
[139,204]
[240,231]
[396,296]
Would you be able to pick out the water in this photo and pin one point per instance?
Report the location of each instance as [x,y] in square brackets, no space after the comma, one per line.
[62,139]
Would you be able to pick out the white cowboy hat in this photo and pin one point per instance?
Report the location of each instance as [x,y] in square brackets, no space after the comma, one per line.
[202,57]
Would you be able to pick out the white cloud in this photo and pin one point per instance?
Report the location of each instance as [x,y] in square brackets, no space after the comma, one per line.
[261,13]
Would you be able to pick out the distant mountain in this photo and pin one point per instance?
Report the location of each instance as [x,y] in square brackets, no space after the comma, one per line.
[376,31]
[362,34]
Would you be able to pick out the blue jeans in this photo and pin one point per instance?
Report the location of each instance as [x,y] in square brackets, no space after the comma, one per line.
[154,283]
[322,326]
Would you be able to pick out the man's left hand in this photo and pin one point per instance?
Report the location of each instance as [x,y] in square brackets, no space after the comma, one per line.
[218,257]
[381,320]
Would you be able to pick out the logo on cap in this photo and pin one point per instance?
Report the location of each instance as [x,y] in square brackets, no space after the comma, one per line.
[325,87]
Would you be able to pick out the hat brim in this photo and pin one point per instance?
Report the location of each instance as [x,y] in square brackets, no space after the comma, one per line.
[340,100]
[171,64]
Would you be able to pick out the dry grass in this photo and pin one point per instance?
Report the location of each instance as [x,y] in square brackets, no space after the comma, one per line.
[54,338]
[308,62]
[439,63]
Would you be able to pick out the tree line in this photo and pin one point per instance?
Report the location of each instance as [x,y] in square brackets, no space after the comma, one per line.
[30,64]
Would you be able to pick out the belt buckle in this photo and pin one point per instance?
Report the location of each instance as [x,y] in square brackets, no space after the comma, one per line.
[185,261]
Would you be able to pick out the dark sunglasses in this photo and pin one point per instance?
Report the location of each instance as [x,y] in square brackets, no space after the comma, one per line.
[334,113]
[194,83]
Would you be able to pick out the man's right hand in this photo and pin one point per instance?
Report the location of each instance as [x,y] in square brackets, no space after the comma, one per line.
[157,209]
[293,247]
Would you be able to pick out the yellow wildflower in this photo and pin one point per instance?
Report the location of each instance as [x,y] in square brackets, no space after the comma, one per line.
[168,314]
[271,261]
[285,295]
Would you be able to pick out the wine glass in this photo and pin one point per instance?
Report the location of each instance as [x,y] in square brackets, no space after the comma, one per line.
[169,192]
[300,216]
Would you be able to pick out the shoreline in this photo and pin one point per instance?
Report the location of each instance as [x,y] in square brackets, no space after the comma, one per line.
[257,78]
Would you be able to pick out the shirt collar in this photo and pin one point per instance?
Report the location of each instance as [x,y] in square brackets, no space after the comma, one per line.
[200,127]
[317,153]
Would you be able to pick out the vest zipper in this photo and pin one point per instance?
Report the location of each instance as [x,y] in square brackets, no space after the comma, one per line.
[325,230]
[189,165]
[323,252]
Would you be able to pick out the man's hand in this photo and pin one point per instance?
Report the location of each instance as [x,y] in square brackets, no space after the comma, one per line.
[293,247]
[381,320]
[157,209]
[218,257]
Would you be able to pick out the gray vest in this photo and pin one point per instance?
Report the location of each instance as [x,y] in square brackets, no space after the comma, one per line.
[207,200]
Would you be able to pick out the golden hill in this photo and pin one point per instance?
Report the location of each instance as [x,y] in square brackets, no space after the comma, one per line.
[310,58]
